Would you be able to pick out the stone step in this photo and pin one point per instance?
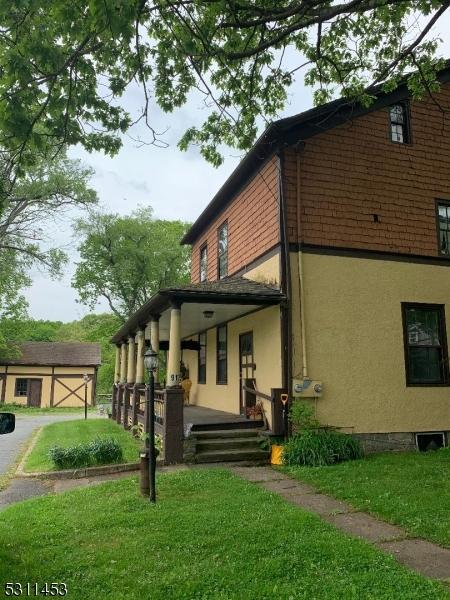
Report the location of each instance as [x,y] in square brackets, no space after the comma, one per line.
[232,456]
[245,443]
[226,433]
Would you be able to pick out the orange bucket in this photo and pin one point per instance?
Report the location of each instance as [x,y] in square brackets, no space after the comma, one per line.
[276,455]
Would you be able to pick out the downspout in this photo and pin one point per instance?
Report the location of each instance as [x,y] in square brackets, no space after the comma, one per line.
[285,281]
[299,147]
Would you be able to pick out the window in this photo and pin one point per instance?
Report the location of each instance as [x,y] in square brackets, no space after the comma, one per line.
[399,120]
[203,263]
[202,358]
[425,341]
[443,215]
[21,387]
[222,252]
[222,354]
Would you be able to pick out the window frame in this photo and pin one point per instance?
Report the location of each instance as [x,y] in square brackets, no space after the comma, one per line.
[441,202]
[407,132]
[219,229]
[223,381]
[18,394]
[202,380]
[440,309]
[203,248]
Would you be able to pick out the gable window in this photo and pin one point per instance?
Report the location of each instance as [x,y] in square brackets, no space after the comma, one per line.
[222,251]
[425,342]
[203,263]
[443,214]
[222,354]
[202,358]
[399,121]
[21,387]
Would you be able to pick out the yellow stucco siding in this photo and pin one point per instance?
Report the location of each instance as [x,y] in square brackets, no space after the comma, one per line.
[354,342]
[265,325]
[266,272]
[62,385]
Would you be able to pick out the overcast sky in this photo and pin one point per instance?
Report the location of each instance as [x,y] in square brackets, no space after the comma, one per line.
[178,185]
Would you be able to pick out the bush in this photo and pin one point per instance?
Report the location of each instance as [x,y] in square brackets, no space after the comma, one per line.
[302,416]
[317,449]
[100,451]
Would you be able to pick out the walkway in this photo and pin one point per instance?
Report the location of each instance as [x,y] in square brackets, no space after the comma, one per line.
[418,554]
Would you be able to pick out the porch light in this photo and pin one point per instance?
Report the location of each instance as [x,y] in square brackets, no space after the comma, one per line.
[208,314]
[151,360]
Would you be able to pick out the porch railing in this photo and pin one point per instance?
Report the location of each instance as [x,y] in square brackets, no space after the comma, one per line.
[270,402]
[130,406]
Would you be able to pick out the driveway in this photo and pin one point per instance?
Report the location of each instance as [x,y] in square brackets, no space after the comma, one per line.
[11,444]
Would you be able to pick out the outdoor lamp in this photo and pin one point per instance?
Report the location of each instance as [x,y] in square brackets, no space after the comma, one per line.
[151,360]
[86,378]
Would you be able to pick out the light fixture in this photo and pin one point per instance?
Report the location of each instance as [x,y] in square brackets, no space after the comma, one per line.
[151,360]
[208,314]
[86,378]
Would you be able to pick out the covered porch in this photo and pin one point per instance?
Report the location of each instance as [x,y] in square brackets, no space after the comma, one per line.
[214,335]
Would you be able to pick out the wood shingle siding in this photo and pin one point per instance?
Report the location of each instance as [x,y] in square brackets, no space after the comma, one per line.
[253,224]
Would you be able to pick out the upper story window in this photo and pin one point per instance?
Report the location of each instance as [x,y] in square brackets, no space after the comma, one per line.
[204,263]
[222,251]
[443,214]
[21,387]
[425,341]
[399,120]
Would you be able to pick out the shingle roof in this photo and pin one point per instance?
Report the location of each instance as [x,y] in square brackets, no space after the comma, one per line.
[67,354]
[231,285]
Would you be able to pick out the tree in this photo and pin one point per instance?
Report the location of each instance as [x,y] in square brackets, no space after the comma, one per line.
[65,65]
[125,260]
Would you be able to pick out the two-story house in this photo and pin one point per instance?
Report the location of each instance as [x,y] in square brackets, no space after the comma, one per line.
[321,268]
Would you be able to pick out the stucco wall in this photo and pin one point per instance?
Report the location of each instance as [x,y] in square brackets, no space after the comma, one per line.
[45,374]
[268,271]
[265,325]
[354,339]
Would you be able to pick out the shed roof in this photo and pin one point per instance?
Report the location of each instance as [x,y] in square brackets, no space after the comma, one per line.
[67,354]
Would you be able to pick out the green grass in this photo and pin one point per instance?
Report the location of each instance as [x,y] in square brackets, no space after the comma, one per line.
[19,409]
[210,536]
[69,433]
[409,489]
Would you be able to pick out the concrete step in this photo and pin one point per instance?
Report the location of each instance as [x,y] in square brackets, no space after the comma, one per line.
[244,443]
[236,455]
[226,433]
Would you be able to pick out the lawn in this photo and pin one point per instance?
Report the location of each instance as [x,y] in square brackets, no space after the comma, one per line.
[20,409]
[210,536]
[409,489]
[69,433]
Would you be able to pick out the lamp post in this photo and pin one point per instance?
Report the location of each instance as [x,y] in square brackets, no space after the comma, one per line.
[151,364]
[86,379]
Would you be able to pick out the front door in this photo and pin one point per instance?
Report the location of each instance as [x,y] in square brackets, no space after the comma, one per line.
[246,370]
[34,392]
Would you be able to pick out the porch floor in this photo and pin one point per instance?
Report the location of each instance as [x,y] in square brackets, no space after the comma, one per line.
[205,418]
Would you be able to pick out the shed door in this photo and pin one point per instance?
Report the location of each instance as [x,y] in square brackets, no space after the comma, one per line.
[34,392]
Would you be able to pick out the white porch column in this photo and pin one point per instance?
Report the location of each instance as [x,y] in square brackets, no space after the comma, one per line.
[123,363]
[140,375]
[154,339]
[117,365]
[131,370]
[173,362]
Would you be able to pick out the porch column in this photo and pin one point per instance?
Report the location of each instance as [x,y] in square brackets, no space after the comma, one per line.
[117,365]
[123,363]
[173,362]
[140,377]
[154,339]
[131,370]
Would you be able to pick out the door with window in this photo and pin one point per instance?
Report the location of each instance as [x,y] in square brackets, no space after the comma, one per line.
[247,369]
[34,392]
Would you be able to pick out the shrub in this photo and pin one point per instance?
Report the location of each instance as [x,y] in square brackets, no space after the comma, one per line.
[100,451]
[322,448]
[302,417]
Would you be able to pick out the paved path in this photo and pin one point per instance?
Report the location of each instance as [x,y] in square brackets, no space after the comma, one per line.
[428,559]
[11,443]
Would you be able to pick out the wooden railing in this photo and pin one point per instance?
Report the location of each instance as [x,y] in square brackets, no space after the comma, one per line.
[278,419]
[129,408]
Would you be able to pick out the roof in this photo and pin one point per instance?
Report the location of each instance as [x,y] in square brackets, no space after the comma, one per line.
[67,354]
[232,290]
[288,131]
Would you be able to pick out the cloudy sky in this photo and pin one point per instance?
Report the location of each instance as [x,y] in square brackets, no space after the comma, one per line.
[178,185]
